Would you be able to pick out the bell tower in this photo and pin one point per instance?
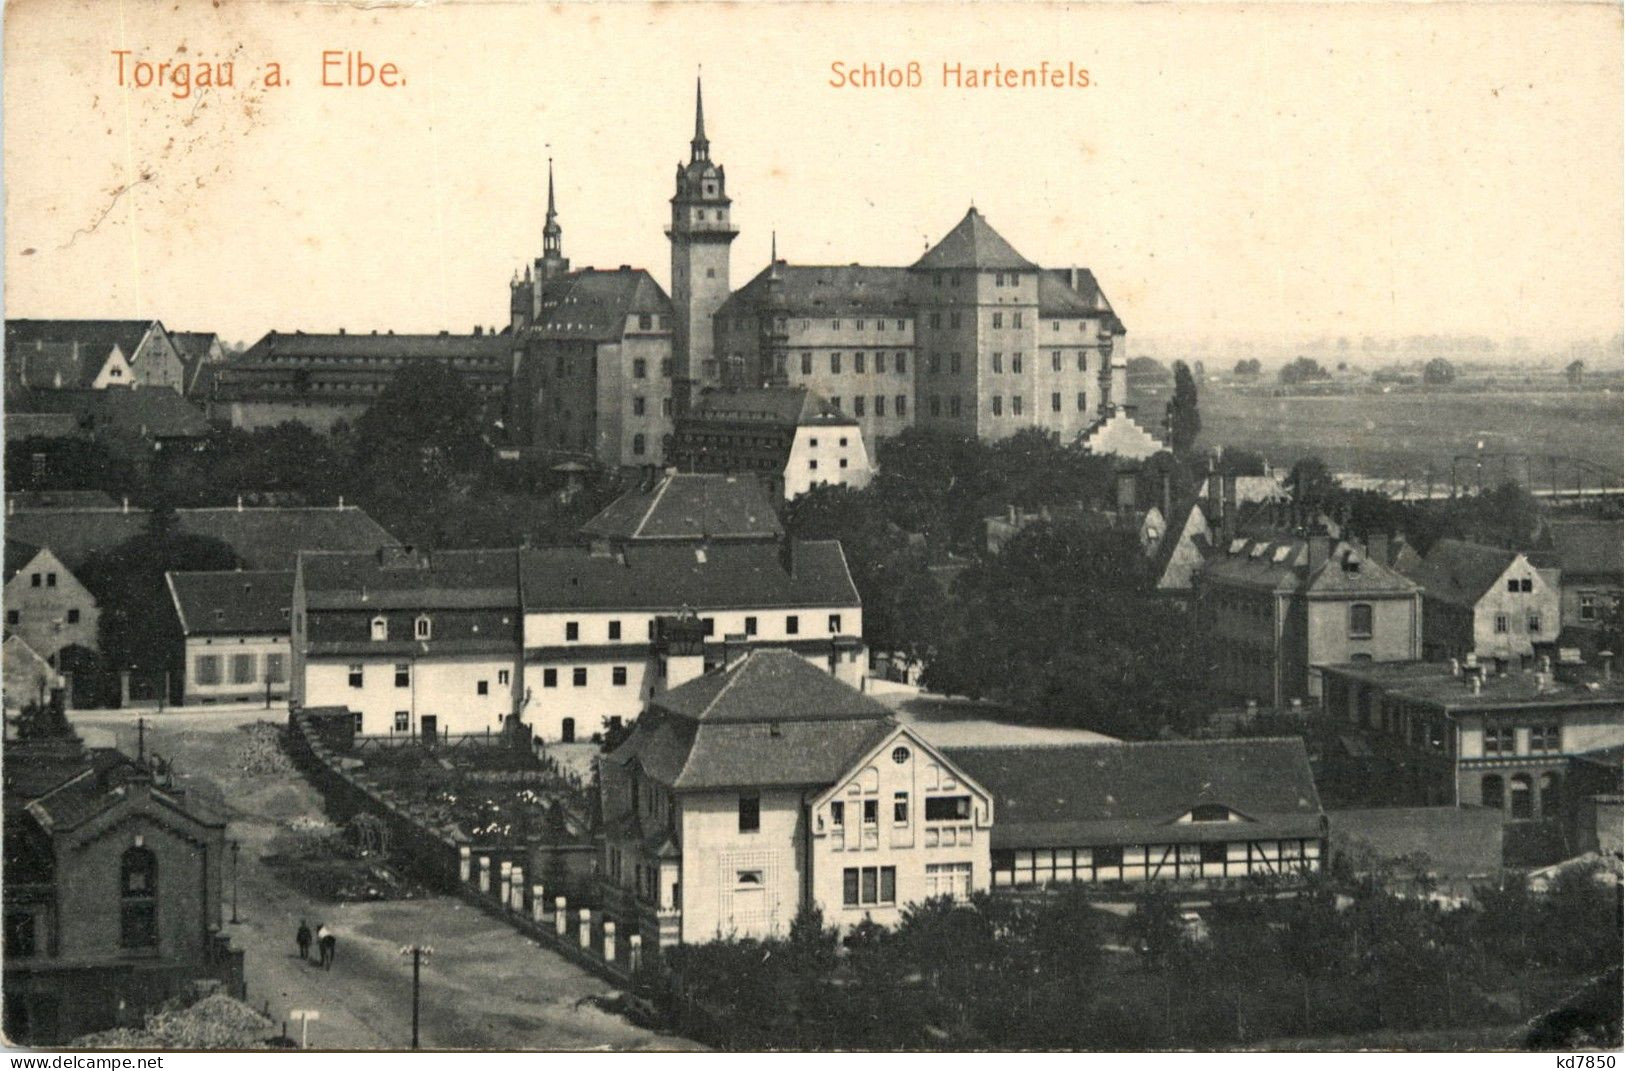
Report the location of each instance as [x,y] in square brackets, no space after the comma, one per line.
[553,262]
[700,233]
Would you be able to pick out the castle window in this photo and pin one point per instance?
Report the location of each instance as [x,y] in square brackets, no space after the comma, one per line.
[1055,325]
[637,406]
[640,368]
[858,326]
[835,364]
[936,406]
[835,325]
[998,319]
[857,405]
[953,363]
[1015,361]
[806,364]
[1055,402]
[1083,362]
[902,405]
[1055,361]
[880,405]
[1015,404]
[1015,319]
[902,363]
[638,444]
[1083,401]
[953,405]
[858,360]
[998,405]
[998,362]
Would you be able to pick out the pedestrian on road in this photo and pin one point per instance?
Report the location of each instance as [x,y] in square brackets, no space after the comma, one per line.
[328,943]
[303,940]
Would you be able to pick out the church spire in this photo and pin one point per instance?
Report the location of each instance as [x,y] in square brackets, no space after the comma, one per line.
[700,147]
[551,231]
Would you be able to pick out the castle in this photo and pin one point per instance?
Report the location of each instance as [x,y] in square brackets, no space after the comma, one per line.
[972,337]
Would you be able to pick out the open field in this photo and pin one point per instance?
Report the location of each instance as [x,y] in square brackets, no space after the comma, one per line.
[1404,434]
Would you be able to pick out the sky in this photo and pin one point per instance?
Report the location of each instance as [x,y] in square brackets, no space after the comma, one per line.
[1233,171]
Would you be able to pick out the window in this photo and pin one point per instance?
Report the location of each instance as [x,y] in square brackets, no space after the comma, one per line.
[708,625]
[19,934]
[1210,812]
[748,879]
[998,405]
[998,321]
[550,678]
[567,730]
[572,631]
[1015,359]
[880,405]
[1015,320]
[1500,623]
[502,676]
[1055,402]
[792,625]
[902,364]
[242,668]
[1588,606]
[276,668]
[871,812]
[421,627]
[947,808]
[949,879]
[643,322]
[482,688]
[614,630]
[380,628]
[403,721]
[835,364]
[858,404]
[806,364]
[578,677]
[1083,402]
[1083,362]
[138,899]
[953,405]
[750,626]
[638,444]
[1360,621]
[998,362]
[403,674]
[835,623]
[1055,361]
[617,676]
[1500,740]
[902,405]
[637,405]
[34,580]
[1533,622]
[665,407]
[862,886]
[13,617]
[356,675]
[1213,852]
[859,361]
[50,580]
[207,669]
[750,814]
[1015,404]
[640,368]
[1522,796]
[899,808]
[1544,739]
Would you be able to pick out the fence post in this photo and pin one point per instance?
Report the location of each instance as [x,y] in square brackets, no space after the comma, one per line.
[465,863]
[586,927]
[609,941]
[561,918]
[485,873]
[506,880]
[517,890]
[538,904]
[634,951]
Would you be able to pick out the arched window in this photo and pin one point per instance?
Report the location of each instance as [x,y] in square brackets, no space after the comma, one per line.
[1492,793]
[138,899]
[421,628]
[1523,804]
[1550,794]
[380,628]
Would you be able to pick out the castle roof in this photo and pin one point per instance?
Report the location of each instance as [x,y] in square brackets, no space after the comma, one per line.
[688,506]
[593,305]
[975,245]
[826,290]
[786,407]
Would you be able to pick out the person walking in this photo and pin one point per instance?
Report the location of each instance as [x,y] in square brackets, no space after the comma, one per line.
[303,940]
[328,944]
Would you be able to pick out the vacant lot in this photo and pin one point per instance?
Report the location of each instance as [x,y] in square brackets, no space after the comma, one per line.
[1407,434]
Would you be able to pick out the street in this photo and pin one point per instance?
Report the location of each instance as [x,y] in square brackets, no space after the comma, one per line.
[485,986]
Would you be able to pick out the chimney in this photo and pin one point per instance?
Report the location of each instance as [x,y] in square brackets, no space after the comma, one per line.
[1320,548]
[239,503]
[341,330]
[126,503]
[479,332]
[1455,668]
[1477,683]
[341,502]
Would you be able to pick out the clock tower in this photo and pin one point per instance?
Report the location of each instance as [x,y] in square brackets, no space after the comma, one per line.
[701,232]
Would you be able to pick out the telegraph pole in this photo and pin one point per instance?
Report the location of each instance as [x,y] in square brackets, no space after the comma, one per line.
[418,953]
[235,847]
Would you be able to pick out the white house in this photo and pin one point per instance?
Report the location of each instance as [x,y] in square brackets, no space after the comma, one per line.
[235,626]
[751,792]
[600,622]
[413,642]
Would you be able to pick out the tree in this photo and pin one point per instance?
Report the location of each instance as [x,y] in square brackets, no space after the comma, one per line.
[1311,483]
[1302,370]
[1184,418]
[1250,366]
[427,421]
[1438,372]
[1575,373]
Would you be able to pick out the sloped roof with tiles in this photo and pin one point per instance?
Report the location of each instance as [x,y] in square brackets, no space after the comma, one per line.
[784,407]
[826,290]
[1086,794]
[238,603]
[1459,572]
[593,305]
[771,720]
[1587,548]
[405,578]
[973,244]
[688,506]
[152,413]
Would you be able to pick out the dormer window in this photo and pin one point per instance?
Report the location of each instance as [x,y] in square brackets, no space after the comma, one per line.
[1210,812]
[380,628]
[421,628]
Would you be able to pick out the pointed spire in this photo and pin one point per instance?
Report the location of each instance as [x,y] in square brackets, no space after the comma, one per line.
[552,233]
[551,211]
[700,146]
[773,258]
[775,253]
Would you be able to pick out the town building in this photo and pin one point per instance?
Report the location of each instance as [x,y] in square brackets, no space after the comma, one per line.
[134,425]
[234,629]
[319,379]
[603,624]
[201,353]
[91,355]
[46,605]
[688,507]
[746,794]
[1587,556]
[1277,607]
[1472,736]
[1484,601]
[788,437]
[112,888]
[264,537]
[413,642]
[1187,811]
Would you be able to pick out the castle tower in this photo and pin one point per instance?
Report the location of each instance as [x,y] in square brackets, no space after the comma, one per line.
[553,262]
[700,235]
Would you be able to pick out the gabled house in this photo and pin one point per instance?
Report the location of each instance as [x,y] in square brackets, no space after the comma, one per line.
[1587,558]
[752,792]
[234,628]
[91,354]
[1484,601]
[45,603]
[788,437]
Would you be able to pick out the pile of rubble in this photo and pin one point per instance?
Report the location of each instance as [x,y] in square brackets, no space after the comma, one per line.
[215,1022]
[262,753]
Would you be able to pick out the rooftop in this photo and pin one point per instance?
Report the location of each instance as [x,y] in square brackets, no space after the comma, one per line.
[975,245]
[824,290]
[1587,548]
[1458,572]
[689,506]
[243,602]
[1432,683]
[1280,562]
[593,304]
[779,406]
[1108,793]
[406,578]
[152,412]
